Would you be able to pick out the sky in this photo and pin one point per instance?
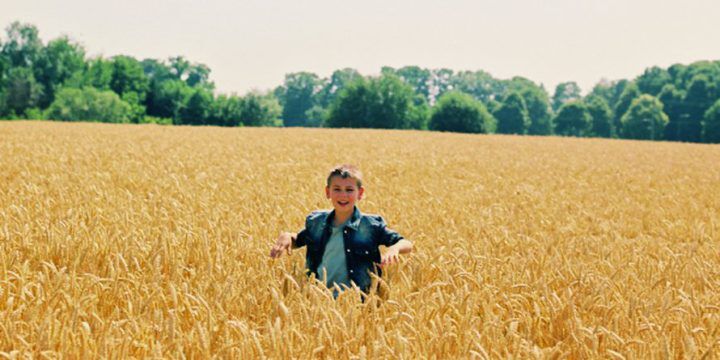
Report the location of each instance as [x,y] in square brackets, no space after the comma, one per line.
[251,45]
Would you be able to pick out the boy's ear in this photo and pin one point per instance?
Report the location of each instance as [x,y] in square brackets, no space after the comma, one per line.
[327,192]
[361,191]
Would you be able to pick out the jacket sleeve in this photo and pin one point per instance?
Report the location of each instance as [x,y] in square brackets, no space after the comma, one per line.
[304,235]
[387,236]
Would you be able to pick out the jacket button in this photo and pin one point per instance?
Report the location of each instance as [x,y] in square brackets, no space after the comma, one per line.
[366,252]
[348,250]
[351,271]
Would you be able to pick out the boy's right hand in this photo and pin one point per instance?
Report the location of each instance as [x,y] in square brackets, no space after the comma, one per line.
[283,243]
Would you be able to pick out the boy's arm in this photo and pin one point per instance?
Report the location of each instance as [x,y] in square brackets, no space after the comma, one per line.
[396,244]
[392,255]
[287,241]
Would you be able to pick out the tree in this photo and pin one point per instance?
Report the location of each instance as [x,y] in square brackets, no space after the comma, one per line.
[419,113]
[479,84]
[629,94]
[157,72]
[196,109]
[536,101]
[711,124]
[128,76]
[602,119]
[385,102]
[298,97]
[652,80]
[644,119]
[226,111]
[170,99]
[261,110]
[460,112]
[573,119]
[512,116]
[98,74]
[439,84]
[564,93]
[23,45]
[57,63]
[708,69]
[316,116]
[88,104]
[338,80]
[21,91]
[604,89]
[538,105]
[674,108]
[698,99]
[418,78]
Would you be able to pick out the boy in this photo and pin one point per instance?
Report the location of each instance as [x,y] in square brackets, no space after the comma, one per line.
[342,244]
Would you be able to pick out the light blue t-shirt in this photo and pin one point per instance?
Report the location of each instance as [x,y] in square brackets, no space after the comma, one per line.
[334,263]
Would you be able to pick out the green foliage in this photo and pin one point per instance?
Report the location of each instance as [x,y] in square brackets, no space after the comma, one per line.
[698,99]
[602,119]
[708,69]
[88,104]
[298,96]
[385,102]
[226,111]
[479,84]
[419,113]
[261,110]
[316,116]
[564,93]
[653,80]
[128,76]
[573,119]
[99,74]
[459,112]
[338,81]
[170,99]
[23,45]
[193,74]
[674,108]
[196,109]
[644,119]
[538,105]
[711,124]
[156,120]
[137,111]
[536,101]
[58,63]
[418,78]
[34,114]
[512,116]
[20,91]
[629,94]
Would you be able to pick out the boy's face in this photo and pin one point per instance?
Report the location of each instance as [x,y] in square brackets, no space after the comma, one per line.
[343,193]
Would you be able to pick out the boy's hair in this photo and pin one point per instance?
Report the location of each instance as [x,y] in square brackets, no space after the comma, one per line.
[346,171]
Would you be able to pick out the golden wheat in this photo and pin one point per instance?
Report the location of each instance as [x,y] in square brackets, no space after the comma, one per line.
[142,241]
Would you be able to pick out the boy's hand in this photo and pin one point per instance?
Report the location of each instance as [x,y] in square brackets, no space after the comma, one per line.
[391,256]
[283,243]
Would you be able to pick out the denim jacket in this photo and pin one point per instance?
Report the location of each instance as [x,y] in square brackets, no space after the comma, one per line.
[362,235]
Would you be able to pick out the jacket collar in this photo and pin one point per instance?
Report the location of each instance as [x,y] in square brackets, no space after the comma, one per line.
[352,223]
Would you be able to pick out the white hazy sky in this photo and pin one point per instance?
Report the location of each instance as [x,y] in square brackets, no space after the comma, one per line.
[253,44]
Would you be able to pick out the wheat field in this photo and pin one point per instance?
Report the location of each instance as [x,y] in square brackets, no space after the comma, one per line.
[122,241]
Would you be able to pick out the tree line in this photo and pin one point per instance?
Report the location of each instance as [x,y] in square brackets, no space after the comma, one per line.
[57,81]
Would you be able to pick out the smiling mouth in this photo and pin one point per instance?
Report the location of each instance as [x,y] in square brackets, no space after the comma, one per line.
[343,203]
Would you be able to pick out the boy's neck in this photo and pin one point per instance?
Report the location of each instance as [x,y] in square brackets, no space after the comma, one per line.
[341,218]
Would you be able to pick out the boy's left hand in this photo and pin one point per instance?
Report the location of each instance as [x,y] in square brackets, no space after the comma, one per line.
[391,256]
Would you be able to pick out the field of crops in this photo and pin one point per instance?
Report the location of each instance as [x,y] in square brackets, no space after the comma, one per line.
[141,241]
